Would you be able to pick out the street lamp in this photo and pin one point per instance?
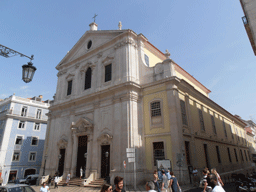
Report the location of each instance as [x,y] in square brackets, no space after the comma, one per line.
[85,158]
[45,157]
[27,70]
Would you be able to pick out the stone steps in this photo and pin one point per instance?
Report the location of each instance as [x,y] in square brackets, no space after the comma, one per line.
[73,181]
[96,184]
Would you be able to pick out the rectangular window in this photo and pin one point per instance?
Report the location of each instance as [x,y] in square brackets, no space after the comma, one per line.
[69,87]
[206,155]
[21,125]
[229,156]
[242,157]
[38,113]
[232,135]
[16,156]
[213,125]
[37,126]
[32,156]
[18,140]
[24,111]
[224,127]
[218,154]
[158,151]
[236,155]
[238,138]
[155,109]
[34,141]
[146,60]
[201,119]
[245,155]
[249,155]
[183,112]
[108,72]
[187,152]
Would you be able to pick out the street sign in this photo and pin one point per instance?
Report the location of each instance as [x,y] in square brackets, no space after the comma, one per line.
[130,150]
[124,164]
[130,155]
[131,160]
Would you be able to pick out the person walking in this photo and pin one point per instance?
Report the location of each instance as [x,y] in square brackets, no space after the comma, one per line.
[219,180]
[56,180]
[205,180]
[174,184]
[119,183]
[156,181]
[195,177]
[68,178]
[150,186]
[164,187]
[81,173]
[106,188]
[213,182]
[44,188]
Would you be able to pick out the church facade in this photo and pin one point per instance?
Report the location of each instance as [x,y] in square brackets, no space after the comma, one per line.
[116,91]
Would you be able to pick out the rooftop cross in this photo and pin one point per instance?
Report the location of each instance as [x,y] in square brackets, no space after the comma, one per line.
[95,17]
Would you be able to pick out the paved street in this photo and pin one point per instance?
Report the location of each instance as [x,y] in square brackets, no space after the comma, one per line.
[228,188]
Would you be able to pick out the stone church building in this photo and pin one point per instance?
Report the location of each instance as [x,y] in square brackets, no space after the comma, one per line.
[115,91]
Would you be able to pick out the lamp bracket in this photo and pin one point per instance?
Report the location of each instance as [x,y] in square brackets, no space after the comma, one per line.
[8,52]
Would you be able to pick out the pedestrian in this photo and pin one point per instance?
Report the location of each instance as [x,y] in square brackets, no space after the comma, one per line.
[156,181]
[195,177]
[17,181]
[168,174]
[106,188]
[49,180]
[1,181]
[174,184]
[214,171]
[44,188]
[150,186]
[165,182]
[68,178]
[56,180]
[119,184]
[81,173]
[213,182]
[204,181]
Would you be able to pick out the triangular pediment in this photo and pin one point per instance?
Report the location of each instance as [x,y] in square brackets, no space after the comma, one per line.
[82,122]
[97,38]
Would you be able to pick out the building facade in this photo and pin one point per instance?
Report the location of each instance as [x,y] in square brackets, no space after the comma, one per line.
[23,124]
[249,20]
[116,91]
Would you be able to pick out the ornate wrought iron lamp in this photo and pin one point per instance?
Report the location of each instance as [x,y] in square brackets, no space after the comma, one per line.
[28,70]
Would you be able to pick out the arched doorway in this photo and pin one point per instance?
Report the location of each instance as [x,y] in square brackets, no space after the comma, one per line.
[29,172]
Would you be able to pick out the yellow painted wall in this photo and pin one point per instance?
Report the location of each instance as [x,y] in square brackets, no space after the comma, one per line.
[153,59]
[149,149]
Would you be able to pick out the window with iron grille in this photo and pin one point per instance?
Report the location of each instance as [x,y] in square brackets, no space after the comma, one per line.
[213,125]
[201,119]
[183,112]
[32,156]
[224,127]
[229,156]
[108,72]
[38,113]
[69,87]
[34,141]
[18,140]
[24,111]
[88,78]
[16,156]
[218,154]
[146,60]
[155,109]
[158,151]
[236,155]
[21,125]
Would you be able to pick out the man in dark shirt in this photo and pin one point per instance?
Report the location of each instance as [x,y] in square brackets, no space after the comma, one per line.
[119,183]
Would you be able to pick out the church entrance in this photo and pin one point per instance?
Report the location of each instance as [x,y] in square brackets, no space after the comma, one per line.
[81,160]
[105,163]
[61,162]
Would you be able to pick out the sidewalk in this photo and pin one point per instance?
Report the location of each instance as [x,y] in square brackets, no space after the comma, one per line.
[140,188]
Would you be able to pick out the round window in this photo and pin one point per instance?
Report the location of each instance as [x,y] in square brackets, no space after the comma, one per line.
[89,44]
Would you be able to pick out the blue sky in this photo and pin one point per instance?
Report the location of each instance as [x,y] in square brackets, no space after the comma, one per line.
[206,38]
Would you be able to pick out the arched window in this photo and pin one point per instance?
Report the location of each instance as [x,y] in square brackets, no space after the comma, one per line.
[88,78]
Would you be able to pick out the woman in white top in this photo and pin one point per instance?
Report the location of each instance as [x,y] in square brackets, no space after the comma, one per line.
[213,171]
[44,188]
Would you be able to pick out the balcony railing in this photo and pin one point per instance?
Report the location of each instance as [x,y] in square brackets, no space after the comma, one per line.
[18,113]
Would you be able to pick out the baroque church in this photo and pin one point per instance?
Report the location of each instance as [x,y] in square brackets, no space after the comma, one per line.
[116,91]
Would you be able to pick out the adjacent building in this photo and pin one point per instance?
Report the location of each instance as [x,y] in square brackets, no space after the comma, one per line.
[116,91]
[249,20]
[23,124]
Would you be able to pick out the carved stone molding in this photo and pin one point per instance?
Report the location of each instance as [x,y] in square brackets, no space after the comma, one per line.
[107,60]
[62,143]
[83,126]
[70,76]
[61,73]
[84,68]
[126,41]
[105,138]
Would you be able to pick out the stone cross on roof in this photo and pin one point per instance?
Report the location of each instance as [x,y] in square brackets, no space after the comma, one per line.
[95,15]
